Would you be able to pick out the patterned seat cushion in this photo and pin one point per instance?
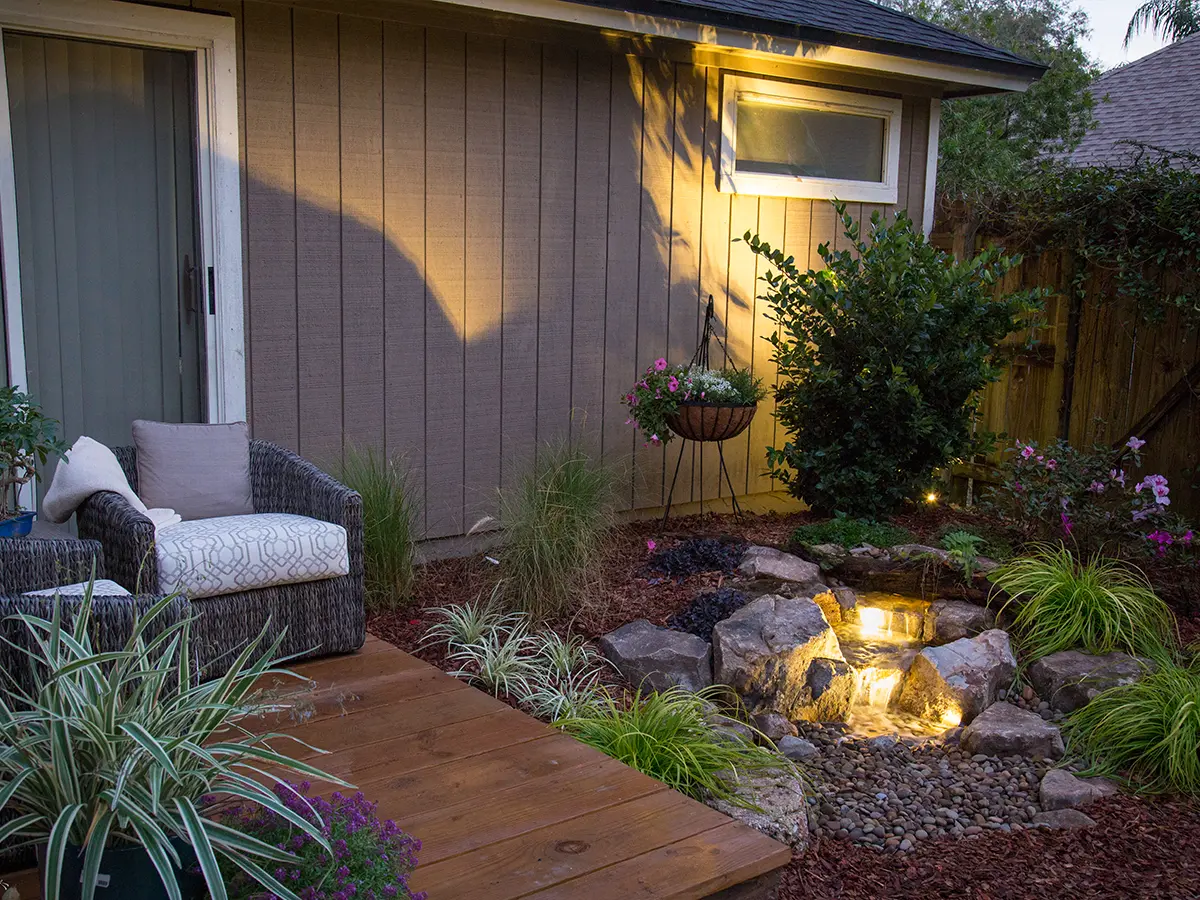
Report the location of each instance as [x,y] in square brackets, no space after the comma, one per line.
[102,588]
[228,554]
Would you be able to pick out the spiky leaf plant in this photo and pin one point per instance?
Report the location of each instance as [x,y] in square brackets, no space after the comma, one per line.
[123,748]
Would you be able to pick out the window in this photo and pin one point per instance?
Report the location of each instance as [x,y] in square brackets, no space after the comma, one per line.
[791,140]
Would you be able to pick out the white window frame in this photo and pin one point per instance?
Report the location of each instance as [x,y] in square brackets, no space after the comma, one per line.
[213,40]
[803,96]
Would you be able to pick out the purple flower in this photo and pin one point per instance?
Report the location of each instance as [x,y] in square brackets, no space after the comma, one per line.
[1052,464]
[651,545]
[1027,451]
[1134,444]
[1067,524]
[1118,476]
[660,364]
[672,384]
[1096,487]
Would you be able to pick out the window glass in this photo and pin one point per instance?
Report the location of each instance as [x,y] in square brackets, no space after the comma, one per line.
[777,139]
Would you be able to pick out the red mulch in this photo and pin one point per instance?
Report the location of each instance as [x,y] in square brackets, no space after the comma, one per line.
[1138,849]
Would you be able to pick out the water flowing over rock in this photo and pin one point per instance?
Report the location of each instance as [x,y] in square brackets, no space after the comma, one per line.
[659,657]
[957,681]
[1006,730]
[767,562]
[1070,679]
[951,620]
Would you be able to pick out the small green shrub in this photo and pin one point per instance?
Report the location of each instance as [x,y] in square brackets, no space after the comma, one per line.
[669,736]
[963,547]
[1098,605]
[554,522]
[389,524]
[1148,730]
[881,357]
[851,533]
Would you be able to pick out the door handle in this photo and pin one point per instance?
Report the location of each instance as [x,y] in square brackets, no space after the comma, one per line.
[189,285]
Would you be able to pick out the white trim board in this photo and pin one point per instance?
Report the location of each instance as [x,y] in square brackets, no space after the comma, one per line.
[213,39]
[931,163]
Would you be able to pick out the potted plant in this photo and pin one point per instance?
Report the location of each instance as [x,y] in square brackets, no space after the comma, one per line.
[112,763]
[27,437]
[693,401]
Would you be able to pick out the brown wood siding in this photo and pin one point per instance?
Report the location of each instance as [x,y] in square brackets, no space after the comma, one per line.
[462,244]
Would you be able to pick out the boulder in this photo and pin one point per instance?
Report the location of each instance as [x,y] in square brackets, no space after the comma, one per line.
[1063,818]
[797,749]
[781,655]
[1070,679]
[772,802]
[847,599]
[952,620]
[957,681]
[774,727]
[767,562]
[828,602]
[659,657]
[1006,730]
[1062,790]
[827,556]
[918,551]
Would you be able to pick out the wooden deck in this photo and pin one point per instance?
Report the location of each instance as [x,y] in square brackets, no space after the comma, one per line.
[506,806]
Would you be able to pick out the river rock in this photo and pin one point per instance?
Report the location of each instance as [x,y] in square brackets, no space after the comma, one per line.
[773,803]
[659,657]
[827,556]
[767,562]
[1006,730]
[952,620]
[797,749]
[918,551]
[829,604]
[847,599]
[1062,790]
[774,727]
[1063,818]
[781,655]
[955,682]
[1070,679]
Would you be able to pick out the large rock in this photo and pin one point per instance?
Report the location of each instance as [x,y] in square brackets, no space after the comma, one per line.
[952,620]
[1063,819]
[1070,679]
[918,551]
[771,802]
[829,604]
[781,655]
[659,657]
[827,556]
[1006,730]
[797,749]
[1062,790]
[954,683]
[767,562]
[774,727]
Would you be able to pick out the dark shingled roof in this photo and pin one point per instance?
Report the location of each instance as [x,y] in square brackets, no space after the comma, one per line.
[1155,100]
[854,24]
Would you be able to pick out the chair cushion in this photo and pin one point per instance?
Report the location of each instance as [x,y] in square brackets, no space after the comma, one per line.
[228,554]
[102,588]
[200,471]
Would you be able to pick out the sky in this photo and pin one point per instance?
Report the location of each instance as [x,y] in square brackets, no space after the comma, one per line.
[1109,20]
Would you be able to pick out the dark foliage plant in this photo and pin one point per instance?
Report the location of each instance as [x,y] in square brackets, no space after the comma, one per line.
[880,358]
[696,555]
[701,615]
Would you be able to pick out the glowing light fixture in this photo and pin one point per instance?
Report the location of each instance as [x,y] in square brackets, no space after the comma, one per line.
[873,622]
[951,718]
[931,497]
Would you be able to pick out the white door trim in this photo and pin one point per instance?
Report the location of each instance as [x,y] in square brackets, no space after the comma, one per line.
[213,38]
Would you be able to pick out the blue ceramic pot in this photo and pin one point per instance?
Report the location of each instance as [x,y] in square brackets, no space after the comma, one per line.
[17,526]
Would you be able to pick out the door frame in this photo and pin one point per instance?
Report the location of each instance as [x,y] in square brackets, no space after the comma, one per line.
[212,37]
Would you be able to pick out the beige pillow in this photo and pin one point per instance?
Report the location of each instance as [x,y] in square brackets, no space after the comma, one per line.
[200,471]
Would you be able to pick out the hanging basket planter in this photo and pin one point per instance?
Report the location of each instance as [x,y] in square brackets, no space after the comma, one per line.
[707,422]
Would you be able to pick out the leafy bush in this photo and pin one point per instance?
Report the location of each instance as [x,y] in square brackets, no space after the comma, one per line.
[696,555]
[1092,499]
[554,521]
[1098,605]
[669,736]
[963,547]
[881,357]
[661,390]
[27,438]
[847,532]
[704,612]
[1148,730]
[361,857]
[389,524]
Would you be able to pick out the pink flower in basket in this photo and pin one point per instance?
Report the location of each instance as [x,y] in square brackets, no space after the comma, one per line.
[660,364]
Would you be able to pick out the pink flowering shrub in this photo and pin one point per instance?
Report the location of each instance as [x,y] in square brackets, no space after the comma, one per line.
[1090,499]
[662,389]
[371,860]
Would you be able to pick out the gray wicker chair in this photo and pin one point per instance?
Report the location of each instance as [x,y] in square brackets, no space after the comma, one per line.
[321,617]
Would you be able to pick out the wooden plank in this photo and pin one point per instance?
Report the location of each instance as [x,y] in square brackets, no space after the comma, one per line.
[772,219]
[318,234]
[271,221]
[739,322]
[361,83]
[484,277]
[404,251]
[445,278]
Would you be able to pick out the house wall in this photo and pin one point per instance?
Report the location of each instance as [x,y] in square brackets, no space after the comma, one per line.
[463,243]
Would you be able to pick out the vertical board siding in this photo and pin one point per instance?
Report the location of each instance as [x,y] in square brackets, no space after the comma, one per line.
[461,245]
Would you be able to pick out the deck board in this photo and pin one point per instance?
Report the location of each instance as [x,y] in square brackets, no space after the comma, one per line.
[505,806]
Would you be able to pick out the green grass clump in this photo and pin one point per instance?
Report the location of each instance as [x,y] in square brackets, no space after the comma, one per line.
[852,533]
[554,522]
[668,736]
[1098,605]
[1147,731]
[389,524]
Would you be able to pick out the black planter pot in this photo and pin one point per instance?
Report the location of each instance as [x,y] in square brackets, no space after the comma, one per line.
[126,873]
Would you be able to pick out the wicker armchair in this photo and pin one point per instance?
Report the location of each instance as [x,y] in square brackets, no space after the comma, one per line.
[321,617]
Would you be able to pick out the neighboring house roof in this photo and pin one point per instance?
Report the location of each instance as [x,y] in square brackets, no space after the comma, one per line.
[854,24]
[1155,101]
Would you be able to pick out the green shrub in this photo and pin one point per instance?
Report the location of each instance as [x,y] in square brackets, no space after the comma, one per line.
[852,533]
[1098,605]
[881,357]
[554,522]
[669,736]
[389,524]
[1148,730]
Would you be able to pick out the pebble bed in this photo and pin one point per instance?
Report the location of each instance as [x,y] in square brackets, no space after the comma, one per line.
[891,793]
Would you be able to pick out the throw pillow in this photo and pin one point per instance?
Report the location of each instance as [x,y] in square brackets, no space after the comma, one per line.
[200,471]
